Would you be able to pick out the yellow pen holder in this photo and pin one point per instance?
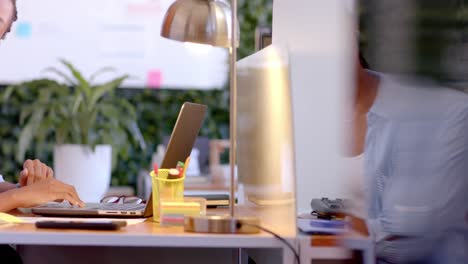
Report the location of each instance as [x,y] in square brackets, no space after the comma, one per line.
[165,189]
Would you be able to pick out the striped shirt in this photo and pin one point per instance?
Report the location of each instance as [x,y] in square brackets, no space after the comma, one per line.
[416,172]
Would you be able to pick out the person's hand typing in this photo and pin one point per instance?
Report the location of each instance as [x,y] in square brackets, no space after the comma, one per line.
[34,171]
[44,191]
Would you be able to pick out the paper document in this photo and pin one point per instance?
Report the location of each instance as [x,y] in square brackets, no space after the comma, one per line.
[9,219]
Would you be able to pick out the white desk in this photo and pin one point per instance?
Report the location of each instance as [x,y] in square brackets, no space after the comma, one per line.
[142,242]
[149,242]
[140,235]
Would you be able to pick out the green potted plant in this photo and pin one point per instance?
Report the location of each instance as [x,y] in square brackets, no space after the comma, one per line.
[86,121]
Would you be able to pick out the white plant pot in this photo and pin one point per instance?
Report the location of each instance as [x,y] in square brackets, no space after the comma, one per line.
[89,172]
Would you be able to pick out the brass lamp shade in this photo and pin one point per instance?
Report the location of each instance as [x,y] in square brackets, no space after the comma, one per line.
[199,21]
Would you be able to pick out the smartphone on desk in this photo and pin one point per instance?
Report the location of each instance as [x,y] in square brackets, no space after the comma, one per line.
[87,225]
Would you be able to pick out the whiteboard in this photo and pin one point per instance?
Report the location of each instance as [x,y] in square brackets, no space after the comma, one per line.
[124,34]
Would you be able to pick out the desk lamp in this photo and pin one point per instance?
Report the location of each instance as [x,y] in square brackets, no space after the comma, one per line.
[212,22]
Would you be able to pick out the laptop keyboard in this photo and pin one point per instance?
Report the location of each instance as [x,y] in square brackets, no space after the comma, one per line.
[117,207]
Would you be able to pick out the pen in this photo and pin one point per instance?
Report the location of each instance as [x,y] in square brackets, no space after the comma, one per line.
[187,162]
[155,169]
[180,167]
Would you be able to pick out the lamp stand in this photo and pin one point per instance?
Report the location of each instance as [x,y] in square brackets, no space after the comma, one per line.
[228,224]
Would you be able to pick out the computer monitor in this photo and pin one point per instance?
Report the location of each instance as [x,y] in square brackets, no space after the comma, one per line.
[265,137]
[319,61]
[321,38]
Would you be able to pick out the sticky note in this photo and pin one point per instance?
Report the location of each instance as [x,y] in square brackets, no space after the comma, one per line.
[173,212]
[23,30]
[154,79]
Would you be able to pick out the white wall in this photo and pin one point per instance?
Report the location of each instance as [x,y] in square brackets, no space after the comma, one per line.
[320,35]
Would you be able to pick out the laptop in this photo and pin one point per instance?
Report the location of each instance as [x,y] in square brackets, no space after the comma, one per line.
[180,145]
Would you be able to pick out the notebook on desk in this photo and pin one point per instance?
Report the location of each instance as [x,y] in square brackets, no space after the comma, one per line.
[213,200]
[180,145]
[320,226]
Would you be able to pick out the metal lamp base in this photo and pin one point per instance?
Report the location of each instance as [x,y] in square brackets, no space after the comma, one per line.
[221,224]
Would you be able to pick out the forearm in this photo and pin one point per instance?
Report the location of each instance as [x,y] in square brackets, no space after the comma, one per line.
[6,186]
[8,201]
[355,137]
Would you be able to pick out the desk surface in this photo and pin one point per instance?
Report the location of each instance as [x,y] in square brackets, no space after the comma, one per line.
[147,234]
[144,234]
[140,235]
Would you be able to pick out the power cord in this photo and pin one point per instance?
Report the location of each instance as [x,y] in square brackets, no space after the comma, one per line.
[266,230]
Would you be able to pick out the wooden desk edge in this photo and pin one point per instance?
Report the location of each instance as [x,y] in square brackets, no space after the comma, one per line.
[336,240]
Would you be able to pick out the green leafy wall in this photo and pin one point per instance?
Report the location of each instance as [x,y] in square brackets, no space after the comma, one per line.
[157,110]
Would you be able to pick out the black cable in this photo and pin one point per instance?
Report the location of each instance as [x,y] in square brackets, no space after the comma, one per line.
[296,254]
[314,213]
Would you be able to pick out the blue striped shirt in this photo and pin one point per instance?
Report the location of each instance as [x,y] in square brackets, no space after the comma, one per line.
[416,172]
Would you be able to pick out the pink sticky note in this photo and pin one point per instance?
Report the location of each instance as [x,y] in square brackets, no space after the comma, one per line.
[154,79]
